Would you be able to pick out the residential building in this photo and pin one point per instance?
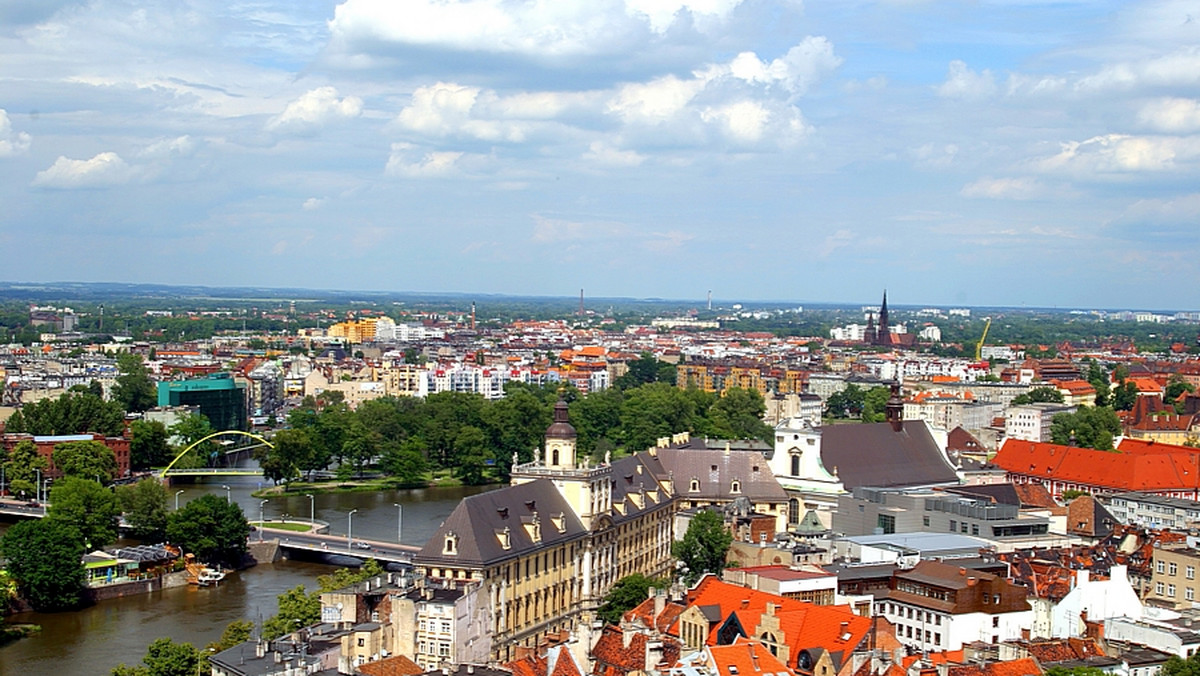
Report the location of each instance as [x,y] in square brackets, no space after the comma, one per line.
[46,443]
[936,606]
[1136,465]
[1173,579]
[1032,422]
[1153,511]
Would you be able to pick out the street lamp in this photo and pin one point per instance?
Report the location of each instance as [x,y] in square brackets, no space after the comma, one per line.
[399,521]
[227,500]
[350,528]
[312,510]
[261,522]
[177,494]
[46,491]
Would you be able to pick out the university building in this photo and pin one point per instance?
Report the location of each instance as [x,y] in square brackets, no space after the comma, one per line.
[539,556]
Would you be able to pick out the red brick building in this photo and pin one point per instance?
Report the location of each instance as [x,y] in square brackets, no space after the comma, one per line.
[46,444]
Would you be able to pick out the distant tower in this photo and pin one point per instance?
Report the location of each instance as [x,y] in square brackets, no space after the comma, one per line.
[102,317]
[581,311]
[710,300]
[472,315]
[883,332]
[895,408]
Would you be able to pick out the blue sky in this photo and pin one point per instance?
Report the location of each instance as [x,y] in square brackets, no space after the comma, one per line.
[978,153]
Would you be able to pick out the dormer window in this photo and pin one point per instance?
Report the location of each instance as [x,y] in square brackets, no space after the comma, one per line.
[735,487]
[450,546]
[505,538]
[560,522]
[694,486]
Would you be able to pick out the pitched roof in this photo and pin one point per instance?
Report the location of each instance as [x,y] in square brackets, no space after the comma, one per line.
[1027,666]
[480,520]
[745,657]
[875,455]
[716,470]
[1166,468]
[396,665]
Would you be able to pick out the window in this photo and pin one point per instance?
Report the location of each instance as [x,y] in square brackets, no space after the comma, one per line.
[793,511]
[1189,593]
[995,621]
[886,524]
[925,521]
[694,486]
[1159,588]
[937,638]
[735,487]
[1190,572]
[1172,569]
[953,525]
[1171,590]
[361,641]
[1159,566]
[974,529]
[963,529]
[796,465]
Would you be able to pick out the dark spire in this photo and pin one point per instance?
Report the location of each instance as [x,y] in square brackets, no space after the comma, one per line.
[562,427]
[895,408]
[884,331]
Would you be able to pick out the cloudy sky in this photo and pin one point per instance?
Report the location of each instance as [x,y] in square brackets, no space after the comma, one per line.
[1009,152]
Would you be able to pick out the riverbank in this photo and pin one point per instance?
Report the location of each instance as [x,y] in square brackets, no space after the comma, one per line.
[16,632]
[335,486]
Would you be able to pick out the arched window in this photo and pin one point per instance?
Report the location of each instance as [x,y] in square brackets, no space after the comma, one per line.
[694,487]
[735,487]
[555,460]
[768,639]
[795,464]
[794,511]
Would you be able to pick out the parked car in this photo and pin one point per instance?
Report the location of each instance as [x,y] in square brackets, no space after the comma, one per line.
[362,545]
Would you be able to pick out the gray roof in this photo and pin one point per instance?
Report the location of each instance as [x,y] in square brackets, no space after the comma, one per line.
[631,475]
[479,520]
[874,454]
[716,470]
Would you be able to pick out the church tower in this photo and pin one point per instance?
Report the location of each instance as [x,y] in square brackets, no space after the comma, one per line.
[587,488]
[883,333]
[895,408]
[560,439]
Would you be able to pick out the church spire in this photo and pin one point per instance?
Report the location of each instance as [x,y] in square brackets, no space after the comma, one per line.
[883,332]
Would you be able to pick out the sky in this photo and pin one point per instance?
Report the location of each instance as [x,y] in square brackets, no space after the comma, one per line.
[995,152]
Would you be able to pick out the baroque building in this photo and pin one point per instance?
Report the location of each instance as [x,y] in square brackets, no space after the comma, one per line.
[539,556]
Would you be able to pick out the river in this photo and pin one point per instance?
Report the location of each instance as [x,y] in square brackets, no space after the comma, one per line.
[98,638]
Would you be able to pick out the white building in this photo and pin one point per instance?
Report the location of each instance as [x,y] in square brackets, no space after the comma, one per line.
[1031,422]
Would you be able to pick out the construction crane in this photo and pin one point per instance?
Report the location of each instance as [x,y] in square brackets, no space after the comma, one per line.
[979,345]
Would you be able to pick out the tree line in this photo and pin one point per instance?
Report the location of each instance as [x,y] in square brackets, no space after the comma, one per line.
[476,439]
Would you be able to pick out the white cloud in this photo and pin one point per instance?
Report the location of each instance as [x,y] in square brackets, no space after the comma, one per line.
[668,241]
[743,121]
[445,109]
[1112,153]
[964,83]
[315,108]
[407,161]
[1176,69]
[1172,115]
[796,71]
[312,204]
[1020,188]
[838,239]
[537,28]
[653,102]
[105,169]
[167,148]
[603,153]
[1161,218]
[12,143]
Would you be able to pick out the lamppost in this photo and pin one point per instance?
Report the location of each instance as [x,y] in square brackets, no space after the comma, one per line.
[350,529]
[399,521]
[261,522]
[37,486]
[177,494]
[46,491]
[2,467]
[312,510]
[227,499]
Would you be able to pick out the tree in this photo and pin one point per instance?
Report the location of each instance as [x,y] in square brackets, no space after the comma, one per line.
[1098,377]
[296,609]
[45,557]
[1038,395]
[1178,666]
[145,508]
[875,401]
[235,634]
[1076,671]
[470,456]
[164,657]
[656,410]
[626,594]
[293,449]
[1090,427]
[86,459]
[211,528]
[703,547]
[738,415]
[134,390]
[1176,386]
[24,462]
[191,429]
[149,446]
[88,508]
[71,413]
[847,403]
[645,369]
[405,461]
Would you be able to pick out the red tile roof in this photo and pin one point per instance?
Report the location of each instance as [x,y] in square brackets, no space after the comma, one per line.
[744,657]
[1022,667]
[396,665]
[1168,467]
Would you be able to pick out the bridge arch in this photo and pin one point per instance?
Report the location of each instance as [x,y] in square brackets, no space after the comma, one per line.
[163,474]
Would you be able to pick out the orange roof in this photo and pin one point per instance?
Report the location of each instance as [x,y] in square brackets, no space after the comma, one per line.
[744,656]
[397,665]
[1146,385]
[1026,666]
[804,624]
[592,351]
[1165,468]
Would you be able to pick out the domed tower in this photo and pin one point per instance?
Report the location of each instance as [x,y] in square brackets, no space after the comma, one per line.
[560,439]
[895,408]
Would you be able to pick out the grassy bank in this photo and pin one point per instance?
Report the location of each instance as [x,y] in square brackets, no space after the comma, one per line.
[439,478]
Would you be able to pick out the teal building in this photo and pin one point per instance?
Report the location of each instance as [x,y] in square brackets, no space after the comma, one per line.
[221,399]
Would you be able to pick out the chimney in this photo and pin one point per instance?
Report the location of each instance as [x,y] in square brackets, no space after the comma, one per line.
[971,581]
[660,602]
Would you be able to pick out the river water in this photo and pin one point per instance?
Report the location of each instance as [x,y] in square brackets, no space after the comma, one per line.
[98,638]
